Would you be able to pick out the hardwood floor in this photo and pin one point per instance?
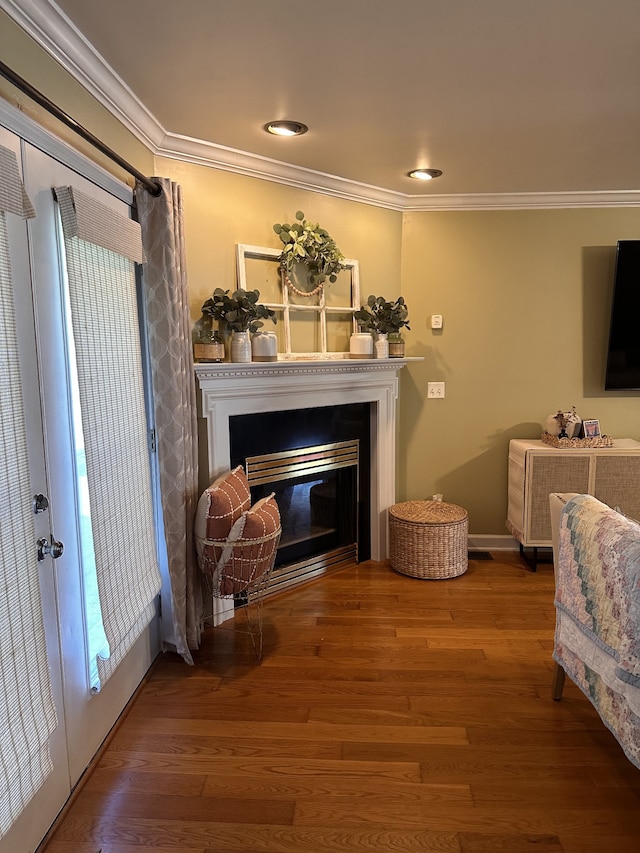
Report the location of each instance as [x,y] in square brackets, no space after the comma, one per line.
[388,713]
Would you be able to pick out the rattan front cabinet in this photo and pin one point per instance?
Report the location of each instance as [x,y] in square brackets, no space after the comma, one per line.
[611,474]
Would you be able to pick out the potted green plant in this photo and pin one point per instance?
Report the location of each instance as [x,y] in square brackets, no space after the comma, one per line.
[307,244]
[385,319]
[242,314]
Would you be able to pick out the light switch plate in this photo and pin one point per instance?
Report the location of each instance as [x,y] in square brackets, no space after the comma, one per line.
[436,321]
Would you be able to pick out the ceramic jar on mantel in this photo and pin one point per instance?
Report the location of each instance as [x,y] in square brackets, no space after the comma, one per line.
[361,345]
[382,345]
[240,347]
[264,346]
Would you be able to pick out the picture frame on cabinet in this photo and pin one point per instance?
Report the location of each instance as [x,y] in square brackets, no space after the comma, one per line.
[591,429]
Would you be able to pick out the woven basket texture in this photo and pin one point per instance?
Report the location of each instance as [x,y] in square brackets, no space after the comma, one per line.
[428,539]
[577,443]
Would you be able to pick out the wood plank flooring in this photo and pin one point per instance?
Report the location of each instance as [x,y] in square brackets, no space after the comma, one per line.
[388,714]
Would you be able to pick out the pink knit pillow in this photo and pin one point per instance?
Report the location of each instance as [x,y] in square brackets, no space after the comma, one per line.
[262,519]
[253,553]
[222,504]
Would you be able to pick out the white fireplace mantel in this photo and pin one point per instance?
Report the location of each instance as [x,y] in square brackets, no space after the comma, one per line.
[238,389]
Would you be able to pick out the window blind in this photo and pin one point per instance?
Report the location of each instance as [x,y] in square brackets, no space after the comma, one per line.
[117,518]
[13,196]
[27,712]
[93,222]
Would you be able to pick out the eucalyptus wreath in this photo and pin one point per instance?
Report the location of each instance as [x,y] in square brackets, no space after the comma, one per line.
[306,243]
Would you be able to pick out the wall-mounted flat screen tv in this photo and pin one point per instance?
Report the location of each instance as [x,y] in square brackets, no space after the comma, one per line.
[623,355]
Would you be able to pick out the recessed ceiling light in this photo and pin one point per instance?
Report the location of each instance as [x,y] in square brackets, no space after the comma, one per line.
[286,128]
[425,174]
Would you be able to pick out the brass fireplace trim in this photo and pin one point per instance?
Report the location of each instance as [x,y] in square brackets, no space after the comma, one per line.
[294,574]
[302,461]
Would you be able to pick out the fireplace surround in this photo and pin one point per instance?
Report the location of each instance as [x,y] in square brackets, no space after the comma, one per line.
[228,390]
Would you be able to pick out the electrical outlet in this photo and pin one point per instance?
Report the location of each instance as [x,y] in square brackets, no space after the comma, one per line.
[435,390]
[436,321]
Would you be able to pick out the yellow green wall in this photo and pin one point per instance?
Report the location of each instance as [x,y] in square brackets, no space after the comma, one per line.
[524,296]
[222,209]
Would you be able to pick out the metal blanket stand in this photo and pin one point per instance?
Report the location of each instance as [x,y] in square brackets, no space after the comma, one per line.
[240,571]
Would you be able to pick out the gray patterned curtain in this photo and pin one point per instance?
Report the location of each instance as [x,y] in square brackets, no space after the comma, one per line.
[172,378]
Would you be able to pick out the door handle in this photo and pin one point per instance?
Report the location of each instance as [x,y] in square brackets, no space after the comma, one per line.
[54,548]
[40,504]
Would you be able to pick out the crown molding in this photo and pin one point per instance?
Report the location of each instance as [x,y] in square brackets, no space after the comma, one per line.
[56,34]
[189,150]
[523,201]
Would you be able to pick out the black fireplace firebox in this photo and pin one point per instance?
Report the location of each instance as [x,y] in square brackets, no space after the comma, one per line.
[317,463]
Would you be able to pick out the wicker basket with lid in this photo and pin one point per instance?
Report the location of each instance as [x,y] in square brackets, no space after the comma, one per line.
[428,539]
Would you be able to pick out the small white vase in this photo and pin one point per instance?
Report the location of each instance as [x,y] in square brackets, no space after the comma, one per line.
[361,345]
[573,421]
[264,346]
[382,346]
[240,347]
[552,426]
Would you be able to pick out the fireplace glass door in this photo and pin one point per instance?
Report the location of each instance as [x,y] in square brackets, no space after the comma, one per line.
[316,489]
[310,460]
[318,508]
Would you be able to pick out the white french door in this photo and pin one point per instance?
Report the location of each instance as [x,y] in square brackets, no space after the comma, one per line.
[34,821]
[84,718]
[89,716]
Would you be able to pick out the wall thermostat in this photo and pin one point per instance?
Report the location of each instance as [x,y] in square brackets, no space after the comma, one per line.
[436,321]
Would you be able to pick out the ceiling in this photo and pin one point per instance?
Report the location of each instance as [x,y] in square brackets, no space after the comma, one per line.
[504,96]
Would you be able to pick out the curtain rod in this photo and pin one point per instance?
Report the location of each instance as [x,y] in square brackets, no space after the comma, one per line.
[152,186]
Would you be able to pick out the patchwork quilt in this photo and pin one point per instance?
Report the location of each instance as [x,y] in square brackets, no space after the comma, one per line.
[597,640]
